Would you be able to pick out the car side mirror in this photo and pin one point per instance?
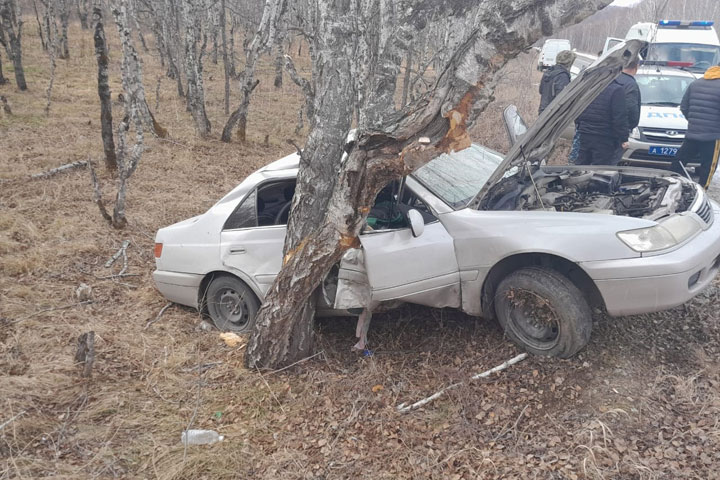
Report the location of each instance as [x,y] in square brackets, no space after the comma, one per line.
[417,222]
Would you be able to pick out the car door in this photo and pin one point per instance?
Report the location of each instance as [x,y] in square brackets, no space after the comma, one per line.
[251,243]
[398,265]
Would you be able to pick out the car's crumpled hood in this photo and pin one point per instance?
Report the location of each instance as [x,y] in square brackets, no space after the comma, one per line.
[567,106]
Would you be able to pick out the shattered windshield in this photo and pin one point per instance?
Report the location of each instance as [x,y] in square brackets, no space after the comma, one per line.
[457,177]
[662,89]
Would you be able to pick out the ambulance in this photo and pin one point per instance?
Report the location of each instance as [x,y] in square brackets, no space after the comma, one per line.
[691,45]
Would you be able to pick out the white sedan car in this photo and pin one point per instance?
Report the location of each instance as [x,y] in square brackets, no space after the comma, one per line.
[532,245]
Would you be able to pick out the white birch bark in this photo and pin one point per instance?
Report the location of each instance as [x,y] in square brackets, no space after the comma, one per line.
[192,16]
[133,81]
[330,208]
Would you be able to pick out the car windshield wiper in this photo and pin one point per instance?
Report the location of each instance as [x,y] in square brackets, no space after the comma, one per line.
[664,104]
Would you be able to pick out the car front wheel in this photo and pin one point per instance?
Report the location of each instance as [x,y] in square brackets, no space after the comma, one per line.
[543,312]
[231,304]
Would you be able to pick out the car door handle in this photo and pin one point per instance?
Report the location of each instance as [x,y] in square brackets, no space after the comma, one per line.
[237,250]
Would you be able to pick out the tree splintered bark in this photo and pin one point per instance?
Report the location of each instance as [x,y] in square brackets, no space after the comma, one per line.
[11,25]
[317,238]
[284,328]
[193,68]
[101,54]
[262,39]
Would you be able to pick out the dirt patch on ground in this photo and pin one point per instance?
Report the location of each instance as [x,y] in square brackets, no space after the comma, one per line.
[641,401]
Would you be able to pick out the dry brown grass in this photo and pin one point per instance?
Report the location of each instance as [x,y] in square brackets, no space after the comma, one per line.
[322,419]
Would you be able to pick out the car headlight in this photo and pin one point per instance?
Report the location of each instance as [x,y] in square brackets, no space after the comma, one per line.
[673,231]
[635,134]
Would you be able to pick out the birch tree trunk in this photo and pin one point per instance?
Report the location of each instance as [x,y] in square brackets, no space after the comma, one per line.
[64,8]
[52,41]
[101,55]
[308,91]
[292,320]
[83,11]
[40,26]
[134,86]
[136,113]
[387,149]
[3,80]
[12,33]
[193,67]
[226,64]
[262,39]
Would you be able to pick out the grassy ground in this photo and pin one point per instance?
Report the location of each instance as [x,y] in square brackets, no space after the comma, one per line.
[642,401]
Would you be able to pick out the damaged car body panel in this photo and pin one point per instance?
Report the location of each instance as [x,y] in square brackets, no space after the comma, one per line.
[503,237]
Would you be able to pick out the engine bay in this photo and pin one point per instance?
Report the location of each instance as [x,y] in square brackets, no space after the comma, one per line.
[609,192]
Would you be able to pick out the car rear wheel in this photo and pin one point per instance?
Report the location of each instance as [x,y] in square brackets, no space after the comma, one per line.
[231,304]
[543,312]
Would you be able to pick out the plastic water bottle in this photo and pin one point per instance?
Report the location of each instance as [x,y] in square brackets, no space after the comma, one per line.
[200,437]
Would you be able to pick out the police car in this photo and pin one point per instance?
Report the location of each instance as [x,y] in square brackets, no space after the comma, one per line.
[657,139]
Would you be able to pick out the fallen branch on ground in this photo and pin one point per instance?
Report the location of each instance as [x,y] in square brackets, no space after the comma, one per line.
[12,419]
[162,310]
[61,168]
[406,408]
[298,362]
[121,252]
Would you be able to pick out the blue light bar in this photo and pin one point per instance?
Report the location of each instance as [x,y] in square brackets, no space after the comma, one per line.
[703,23]
[670,23]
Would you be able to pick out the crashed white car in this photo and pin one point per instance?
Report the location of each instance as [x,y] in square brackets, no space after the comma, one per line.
[532,245]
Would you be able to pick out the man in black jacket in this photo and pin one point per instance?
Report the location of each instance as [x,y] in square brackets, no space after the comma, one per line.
[603,127]
[701,107]
[556,78]
[632,102]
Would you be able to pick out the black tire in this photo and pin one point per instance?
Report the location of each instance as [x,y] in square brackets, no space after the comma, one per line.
[543,312]
[231,304]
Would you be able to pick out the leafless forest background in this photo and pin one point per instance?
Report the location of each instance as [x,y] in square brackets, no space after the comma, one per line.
[641,402]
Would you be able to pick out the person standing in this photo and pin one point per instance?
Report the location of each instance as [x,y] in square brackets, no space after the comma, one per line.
[603,127]
[701,107]
[633,102]
[555,79]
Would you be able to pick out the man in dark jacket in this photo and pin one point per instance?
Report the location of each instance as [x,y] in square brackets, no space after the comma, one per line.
[632,101]
[701,107]
[555,78]
[603,127]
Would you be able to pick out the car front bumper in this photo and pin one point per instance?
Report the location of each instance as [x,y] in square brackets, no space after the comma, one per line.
[178,287]
[637,154]
[658,282]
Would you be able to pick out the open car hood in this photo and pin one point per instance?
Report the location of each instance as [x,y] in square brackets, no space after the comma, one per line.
[531,146]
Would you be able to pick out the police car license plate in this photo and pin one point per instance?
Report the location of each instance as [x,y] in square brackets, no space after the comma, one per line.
[663,151]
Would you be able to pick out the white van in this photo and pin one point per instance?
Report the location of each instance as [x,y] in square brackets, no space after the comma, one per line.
[693,46]
[550,49]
